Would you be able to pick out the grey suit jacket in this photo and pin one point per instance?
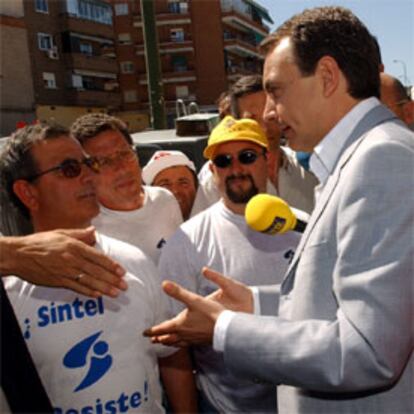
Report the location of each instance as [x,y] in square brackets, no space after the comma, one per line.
[343,339]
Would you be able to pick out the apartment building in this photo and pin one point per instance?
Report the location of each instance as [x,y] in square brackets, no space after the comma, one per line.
[72,68]
[204,46]
[64,58]
[16,88]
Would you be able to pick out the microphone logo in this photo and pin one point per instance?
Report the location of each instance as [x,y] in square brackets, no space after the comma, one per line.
[277,225]
[99,363]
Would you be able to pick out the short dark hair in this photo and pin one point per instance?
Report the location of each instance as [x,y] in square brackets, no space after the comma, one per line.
[224,104]
[335,32]
[90,125]
[378,48]
[16,162]
[245,85]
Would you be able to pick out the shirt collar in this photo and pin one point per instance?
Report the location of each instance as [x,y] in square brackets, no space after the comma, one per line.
[325,155]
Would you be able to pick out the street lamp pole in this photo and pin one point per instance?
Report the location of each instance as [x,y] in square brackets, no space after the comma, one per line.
[404,70]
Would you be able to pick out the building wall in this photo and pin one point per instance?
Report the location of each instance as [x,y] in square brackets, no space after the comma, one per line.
[48,23]
[12,8]
[199,61]
[86,80]
[66,115]
[16,96]
[208,45]
[126,52]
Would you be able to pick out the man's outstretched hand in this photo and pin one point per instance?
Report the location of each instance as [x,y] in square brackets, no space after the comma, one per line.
[195,325]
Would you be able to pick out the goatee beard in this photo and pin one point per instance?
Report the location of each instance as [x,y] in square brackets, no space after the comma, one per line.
[241,197]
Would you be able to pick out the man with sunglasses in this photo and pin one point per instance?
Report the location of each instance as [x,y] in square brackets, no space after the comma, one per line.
[141,215]
[220,238]
[287,178]
[88,351]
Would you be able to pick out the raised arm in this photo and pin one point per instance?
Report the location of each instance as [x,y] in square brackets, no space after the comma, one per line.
[62,258]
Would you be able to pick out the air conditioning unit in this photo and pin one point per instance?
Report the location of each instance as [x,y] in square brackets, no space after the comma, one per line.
[53,53]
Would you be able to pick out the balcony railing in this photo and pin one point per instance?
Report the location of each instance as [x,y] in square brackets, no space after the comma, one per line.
[241,48]
[93,98]
[91,62]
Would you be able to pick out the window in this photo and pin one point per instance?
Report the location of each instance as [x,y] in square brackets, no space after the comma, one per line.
[77,81]
[49,80]
[41,6]
[181,91]
[121,9]
[177,35]
[124,38]
[90,10]
[45,41]
[179,63]
[175,6]
[127,67]
[90,83]
[85,48]
[130,96]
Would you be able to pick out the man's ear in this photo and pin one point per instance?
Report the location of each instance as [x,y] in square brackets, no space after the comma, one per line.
[26,193]
[408,111]
[329,73]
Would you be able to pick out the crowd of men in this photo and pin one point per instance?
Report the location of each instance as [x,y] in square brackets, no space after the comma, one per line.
[91,239]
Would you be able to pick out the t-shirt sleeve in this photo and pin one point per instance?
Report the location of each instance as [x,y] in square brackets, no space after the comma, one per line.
[160,306]
[179,263]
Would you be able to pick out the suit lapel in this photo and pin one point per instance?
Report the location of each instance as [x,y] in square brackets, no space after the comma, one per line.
[374,117]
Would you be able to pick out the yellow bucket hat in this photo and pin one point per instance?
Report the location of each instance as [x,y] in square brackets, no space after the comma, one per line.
[230,129]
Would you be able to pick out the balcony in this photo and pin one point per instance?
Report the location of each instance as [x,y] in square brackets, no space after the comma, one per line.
[108,51]
[91,62]
[243,22]
[169,47]
[79,25]
[179,76]
[172,77]
[93,98]
[163,19]
[241,48]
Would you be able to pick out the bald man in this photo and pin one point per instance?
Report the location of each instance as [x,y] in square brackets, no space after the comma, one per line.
[395,96]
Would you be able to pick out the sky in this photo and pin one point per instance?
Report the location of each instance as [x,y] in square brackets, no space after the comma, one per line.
[391,21]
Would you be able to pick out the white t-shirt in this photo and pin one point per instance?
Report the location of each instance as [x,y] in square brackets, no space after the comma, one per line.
[221,240]
[147,227]
[90,353]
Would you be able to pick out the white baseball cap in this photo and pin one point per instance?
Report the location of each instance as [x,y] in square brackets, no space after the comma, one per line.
[162,160]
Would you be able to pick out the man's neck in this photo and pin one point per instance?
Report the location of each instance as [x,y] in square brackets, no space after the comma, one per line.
[235,208]
[38,226]
[275,162]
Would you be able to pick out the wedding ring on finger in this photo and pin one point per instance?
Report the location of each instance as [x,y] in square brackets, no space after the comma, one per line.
[79,277]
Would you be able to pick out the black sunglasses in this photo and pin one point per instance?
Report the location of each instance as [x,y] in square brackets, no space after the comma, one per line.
[245,157]
[70,168]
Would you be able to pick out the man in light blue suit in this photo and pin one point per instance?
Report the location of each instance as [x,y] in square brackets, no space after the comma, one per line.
[339,337]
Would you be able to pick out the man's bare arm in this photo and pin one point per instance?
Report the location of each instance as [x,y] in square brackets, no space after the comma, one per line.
[177,376]
[57,258]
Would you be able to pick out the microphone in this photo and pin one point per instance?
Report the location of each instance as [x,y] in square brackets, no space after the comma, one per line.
[272,215]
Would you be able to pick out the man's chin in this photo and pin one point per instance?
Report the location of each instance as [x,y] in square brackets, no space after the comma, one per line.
[241,197]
